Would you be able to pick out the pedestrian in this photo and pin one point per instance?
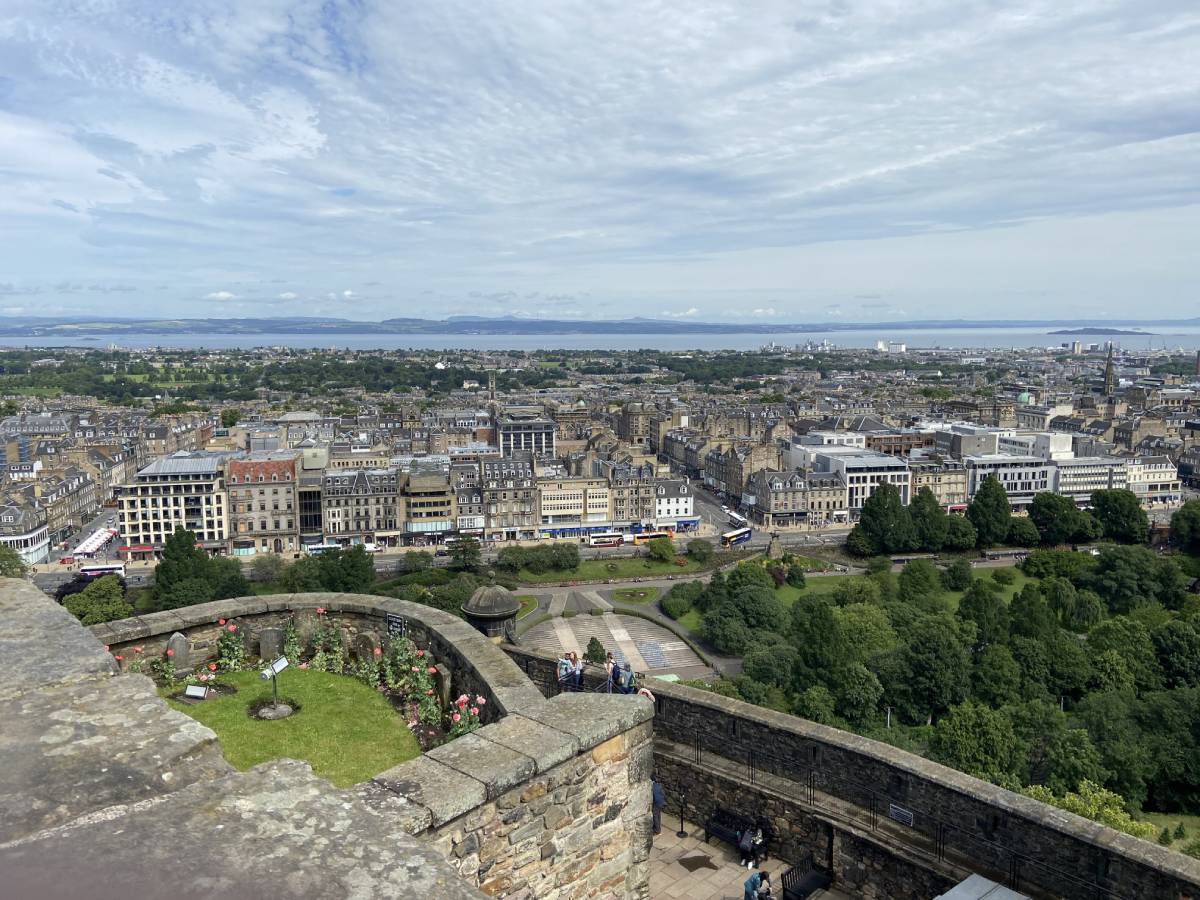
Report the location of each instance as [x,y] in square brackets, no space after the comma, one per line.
[564,672]
[576,671]
[625,685]
[658,799]
[757,885]
[746,847]
[610,669]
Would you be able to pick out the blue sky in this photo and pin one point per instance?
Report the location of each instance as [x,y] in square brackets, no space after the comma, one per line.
[790,161]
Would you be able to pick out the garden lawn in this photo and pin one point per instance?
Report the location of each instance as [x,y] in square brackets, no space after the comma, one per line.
[623,567]
[528,605]
[345,730]
[1007,591]
[635,595]
[1170,820]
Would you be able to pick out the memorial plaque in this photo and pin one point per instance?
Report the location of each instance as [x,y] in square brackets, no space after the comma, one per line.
[900,814]
[397,626]
[196,692]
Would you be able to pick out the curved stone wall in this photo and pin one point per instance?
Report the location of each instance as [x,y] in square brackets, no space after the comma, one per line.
[719,751]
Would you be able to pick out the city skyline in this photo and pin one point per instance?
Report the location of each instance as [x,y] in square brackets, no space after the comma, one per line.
[827,162]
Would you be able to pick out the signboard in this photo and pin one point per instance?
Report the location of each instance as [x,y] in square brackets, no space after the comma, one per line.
[900,814]
[397,626]
[196,692]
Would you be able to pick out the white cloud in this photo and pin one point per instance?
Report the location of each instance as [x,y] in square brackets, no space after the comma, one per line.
[675,156]
[691,311]
[220,296]
[288,295]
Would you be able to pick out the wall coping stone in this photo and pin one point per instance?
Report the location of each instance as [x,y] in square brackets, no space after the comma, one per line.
[447,793]
[497,767]
[545,745]
[593,718]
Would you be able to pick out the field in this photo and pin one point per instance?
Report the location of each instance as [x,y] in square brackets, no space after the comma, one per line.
[344,729]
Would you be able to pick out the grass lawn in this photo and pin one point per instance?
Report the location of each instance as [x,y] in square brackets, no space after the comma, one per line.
[1007,591]
[623,567]
[528,605]
[1170,820]
[635,595]
[691,620]
[347,731]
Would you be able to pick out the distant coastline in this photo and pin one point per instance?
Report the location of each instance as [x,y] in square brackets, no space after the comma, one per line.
[1101,331]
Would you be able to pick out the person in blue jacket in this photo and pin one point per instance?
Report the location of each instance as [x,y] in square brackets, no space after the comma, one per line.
[658,799]
[755,884]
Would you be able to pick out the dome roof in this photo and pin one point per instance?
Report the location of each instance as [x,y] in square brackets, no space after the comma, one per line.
[492,602]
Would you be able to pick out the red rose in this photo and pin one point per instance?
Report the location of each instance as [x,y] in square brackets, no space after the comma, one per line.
[212,667]
[378,652]
[431,670]
[220,621]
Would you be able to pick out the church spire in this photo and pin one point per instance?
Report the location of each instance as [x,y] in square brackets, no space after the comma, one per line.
[1109,380]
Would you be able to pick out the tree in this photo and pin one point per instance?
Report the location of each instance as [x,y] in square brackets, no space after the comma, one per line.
[858,543]
[856,590]
[11,563]
[1185,527]
[989,511]
[1056,517]
[932,671]
[465,554]
[700,550]
[960,534]
[976,740]
[1121,516]
[958,575]
[187,592]
[1129,577]
[725,630]
[1095,803]
[266,567]
[417,561]
[759,608]
[816,704]
[226,578]
[796,577]
[1029,615]
[101,601]
[921,585]
[230,417]
[996,678]
[353,570]
[1022,532]
[817,636]
[856,693]
[661,550]
[302,576]
[770,665]
[595,652]
[929,520]
[1130,639]
[886,524]
[983,605]
[182,561]
[1177,648]
[867,631]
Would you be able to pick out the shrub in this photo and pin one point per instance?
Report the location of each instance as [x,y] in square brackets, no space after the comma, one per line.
[1164,837]
[795,576]
[700,550]
[778,575]
[595,652]
[1003,576]
[1192,849]
[231,648]
[675,605]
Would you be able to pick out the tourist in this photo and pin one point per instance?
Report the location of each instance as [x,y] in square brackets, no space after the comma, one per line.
[757,885]
[576,671]
[746,842]
[564,672]
[658,799]
[625,682]
[609,666]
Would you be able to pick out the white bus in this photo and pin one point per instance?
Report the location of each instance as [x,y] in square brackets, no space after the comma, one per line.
[99,570]
[735,537]
[606,539]
[737,521]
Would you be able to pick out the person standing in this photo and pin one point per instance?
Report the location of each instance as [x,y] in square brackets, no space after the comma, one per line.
[609,665]
[658,799]
[564,672]
[576,671]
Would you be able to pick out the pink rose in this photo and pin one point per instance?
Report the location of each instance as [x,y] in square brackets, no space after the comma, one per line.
[320,610]
[106,648]
[420,653]
[220,621]
[378,652]
[457,717]
[479,701]
[118,657]
[474,710]
[137,649]
[231,628]
[428,693]
[431,670]
[415,669]
[212,667]
[170,653]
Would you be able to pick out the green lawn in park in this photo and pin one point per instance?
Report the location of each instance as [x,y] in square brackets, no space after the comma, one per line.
[528,605]
[1190,823]
[635,595]
[347,731]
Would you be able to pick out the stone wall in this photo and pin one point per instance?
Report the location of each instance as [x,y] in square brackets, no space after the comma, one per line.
[550,799]
[958,823]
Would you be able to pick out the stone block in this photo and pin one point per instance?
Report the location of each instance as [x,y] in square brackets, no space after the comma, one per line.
[365,645]
[546,746]
[270,644]
[592,718]
[497,767]
[447,793]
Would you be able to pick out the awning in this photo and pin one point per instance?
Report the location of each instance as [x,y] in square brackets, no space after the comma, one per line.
[95,541]
[136,548]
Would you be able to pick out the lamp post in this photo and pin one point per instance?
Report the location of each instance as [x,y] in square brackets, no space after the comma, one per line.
[681,833]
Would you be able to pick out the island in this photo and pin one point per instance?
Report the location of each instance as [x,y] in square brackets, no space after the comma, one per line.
[1105,331]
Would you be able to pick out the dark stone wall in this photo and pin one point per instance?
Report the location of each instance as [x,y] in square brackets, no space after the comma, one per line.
[956,820]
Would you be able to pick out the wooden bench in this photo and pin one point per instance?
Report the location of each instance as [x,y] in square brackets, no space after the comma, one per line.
[729,826]
[805,879]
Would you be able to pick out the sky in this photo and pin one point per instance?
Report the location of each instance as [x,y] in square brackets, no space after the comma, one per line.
[789,161]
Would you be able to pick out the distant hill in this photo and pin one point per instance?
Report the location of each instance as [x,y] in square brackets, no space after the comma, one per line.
[1104,331]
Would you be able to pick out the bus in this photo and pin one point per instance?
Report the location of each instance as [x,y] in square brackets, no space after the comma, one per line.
[735,537]
[99,570]
[606,539]
[737,521]
[318,549]
[646,537]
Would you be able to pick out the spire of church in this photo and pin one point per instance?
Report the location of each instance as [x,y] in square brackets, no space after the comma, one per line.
[1109,380]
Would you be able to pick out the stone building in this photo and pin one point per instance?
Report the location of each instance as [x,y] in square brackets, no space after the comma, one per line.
[360,505]
[185,490]
[509,489]
[947,479]
[263,504]
[633,424]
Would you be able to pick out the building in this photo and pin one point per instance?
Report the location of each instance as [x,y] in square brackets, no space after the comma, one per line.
[899,442]
[264,508]
[674,505]
[633,424]
[780,498]
[525,428]
[862,471]
[360,506]
[23,528]
[1078,477]
[427,503]
[184,490]
[1153,480]
[508,489]
[946,479]
[1022,477]
[573,507]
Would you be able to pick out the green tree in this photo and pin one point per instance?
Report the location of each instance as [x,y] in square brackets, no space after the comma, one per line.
[1022,532]
[266,567]
[976,740]
[353,571]
[1128,577]
[867,631]
[661,550]
[1121,516]
[182,561]
[770,665]
[817,636]
[1095,803]
[932,671]
[595,652]
[929,520]
[302,576]
[885,522]
[230,417]
[226,579]
[1072,759]
[1177,648]
[816,703]
[759,608]
[1130,639]
[700,550]
[465,554]
[1056,517]
[858,543]
[1030,615]
[960,534]
[983,605]
[996,677]
[958,575]
[11,563]
[101,601]
[921,585]
[990,511]
[725,630]
[187,592]
[1185,527]
[856,590]
[857,693]
[416,561]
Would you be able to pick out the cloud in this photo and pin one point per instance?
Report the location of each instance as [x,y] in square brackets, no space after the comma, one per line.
[518,156]
[288,295]
[691,311]
[763,311]
[221,296]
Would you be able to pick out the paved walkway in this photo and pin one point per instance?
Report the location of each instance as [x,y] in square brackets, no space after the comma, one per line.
[645,645]
[689,869]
